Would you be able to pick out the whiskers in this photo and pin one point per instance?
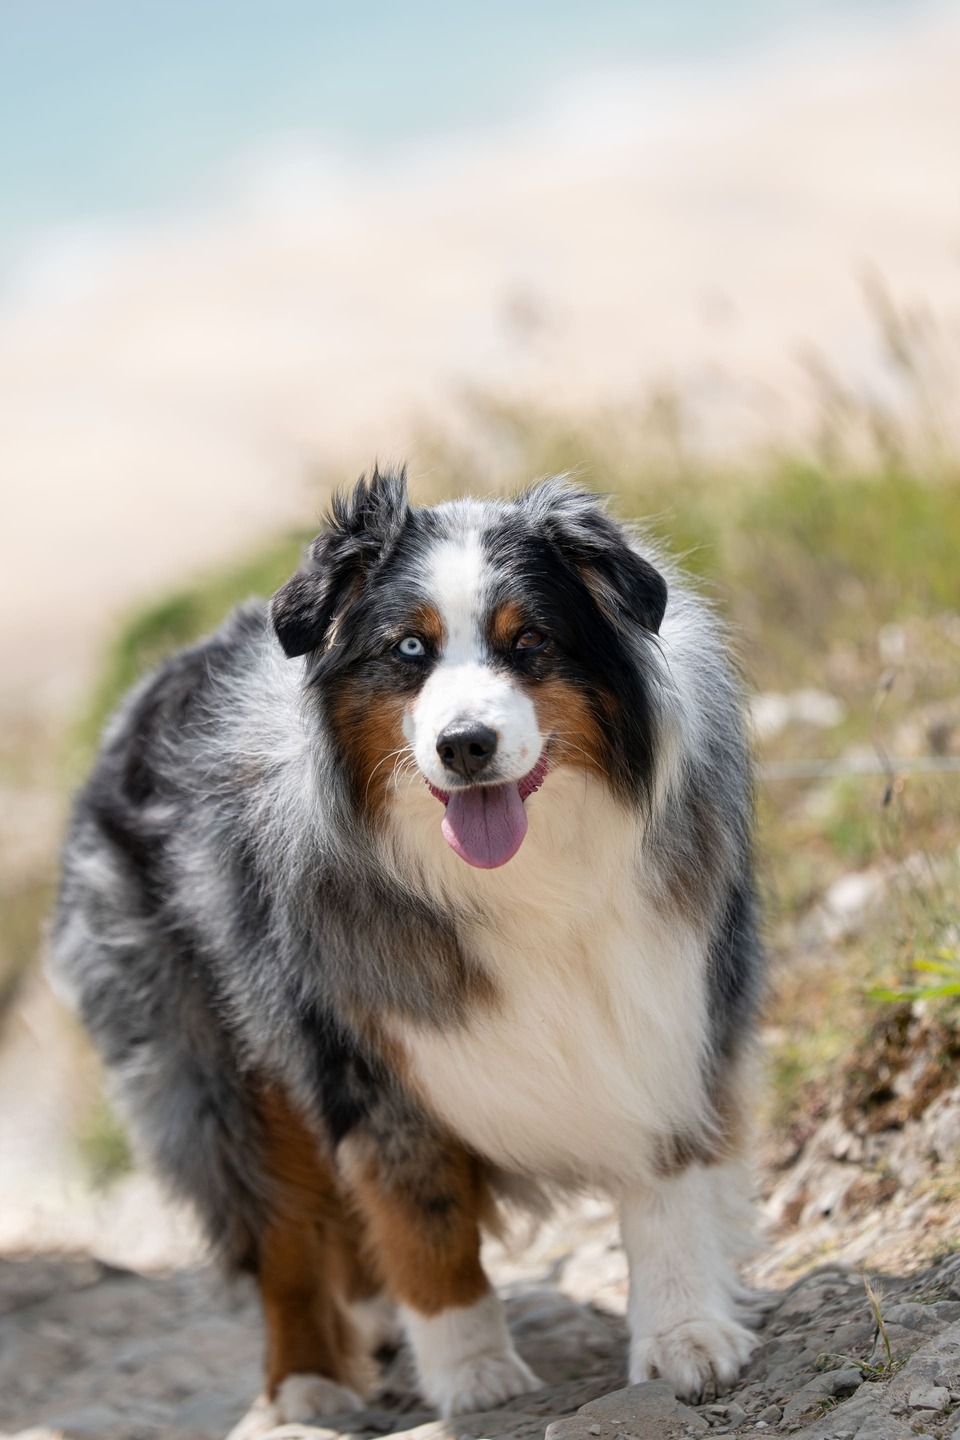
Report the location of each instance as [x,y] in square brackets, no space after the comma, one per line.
[404,762]
[405,766]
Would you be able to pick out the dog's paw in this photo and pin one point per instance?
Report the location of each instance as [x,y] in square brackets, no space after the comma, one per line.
[465,1358]
[696,1356]
[483,1383]
[298,1397]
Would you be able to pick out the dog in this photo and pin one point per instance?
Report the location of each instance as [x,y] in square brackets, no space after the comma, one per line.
[426,887]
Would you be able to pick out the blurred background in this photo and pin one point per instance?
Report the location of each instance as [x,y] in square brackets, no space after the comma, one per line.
[707,257]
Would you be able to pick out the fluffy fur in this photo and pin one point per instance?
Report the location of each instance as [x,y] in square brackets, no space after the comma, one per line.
[340,1030]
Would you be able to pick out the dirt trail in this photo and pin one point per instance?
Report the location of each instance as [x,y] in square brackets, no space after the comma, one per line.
[87,1350]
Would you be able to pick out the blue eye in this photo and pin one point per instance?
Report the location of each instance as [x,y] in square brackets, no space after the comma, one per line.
[411,647]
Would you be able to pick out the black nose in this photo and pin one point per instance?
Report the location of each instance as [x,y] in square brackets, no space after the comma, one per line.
[467,748]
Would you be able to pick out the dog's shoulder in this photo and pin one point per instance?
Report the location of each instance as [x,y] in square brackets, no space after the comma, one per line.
[168,708]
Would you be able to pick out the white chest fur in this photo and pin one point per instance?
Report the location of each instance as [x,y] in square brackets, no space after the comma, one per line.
[594,1049]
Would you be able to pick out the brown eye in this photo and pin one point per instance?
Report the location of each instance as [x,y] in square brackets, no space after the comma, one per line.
[530,640]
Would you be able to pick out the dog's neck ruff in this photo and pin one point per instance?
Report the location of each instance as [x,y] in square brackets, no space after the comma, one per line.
[486,824]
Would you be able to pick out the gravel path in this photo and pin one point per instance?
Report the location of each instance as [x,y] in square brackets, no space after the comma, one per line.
[89,1350]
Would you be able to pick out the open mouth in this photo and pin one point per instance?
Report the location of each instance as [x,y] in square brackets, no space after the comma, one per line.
[486,824]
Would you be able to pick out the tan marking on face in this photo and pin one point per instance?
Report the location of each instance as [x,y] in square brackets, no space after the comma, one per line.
[564,714]
[423,1228]
[505,623]
[369,730]
[426,622]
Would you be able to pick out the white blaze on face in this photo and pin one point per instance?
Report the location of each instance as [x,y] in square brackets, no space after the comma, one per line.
[463,686]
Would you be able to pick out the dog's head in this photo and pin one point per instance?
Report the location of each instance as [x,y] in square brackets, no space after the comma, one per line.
[481,643]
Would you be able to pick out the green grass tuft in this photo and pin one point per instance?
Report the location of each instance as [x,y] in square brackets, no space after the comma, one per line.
[157,630]
[103,1145]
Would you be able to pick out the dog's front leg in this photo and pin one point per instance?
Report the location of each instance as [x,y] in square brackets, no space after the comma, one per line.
[682,1306]
[422,1209]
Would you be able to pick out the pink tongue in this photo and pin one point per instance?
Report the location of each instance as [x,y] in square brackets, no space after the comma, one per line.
[485,825]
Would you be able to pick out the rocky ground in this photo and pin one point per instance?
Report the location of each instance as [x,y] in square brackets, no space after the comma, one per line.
[862,1180]
[90,1350]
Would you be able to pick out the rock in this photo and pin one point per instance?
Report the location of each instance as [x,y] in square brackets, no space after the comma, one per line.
[873,1411]
[808,1299]
[850,1337]
[297,1431]
[771,711]
[821,1388]
[929,1397]
[848,902]
[913,1316]
[649,1411]
[90,1422]
[772,1414]
[32,1435]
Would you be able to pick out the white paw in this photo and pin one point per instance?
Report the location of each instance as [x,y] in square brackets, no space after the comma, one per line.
[298,1397]
[465,1358]
[693,1356]
[483,1383]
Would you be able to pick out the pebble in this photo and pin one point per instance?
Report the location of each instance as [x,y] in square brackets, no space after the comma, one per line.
[828,1386]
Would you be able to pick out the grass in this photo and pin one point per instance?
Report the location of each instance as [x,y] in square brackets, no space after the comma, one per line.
[157,629]
[872,1368]
[23,906]
[28,774]
[103,1145]
[943,981]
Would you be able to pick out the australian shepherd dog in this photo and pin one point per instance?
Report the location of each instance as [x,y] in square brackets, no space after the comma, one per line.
[424,887]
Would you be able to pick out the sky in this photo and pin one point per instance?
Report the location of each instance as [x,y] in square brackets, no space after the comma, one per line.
[113,109]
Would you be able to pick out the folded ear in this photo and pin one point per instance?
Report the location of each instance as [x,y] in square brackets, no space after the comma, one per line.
[362,528]
[622,582]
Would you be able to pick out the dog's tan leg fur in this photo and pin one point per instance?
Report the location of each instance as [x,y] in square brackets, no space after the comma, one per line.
[423,1223]
[311,1263]
[424,1229]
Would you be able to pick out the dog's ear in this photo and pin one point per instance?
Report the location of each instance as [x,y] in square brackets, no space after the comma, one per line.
[362,528]
[623,583]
